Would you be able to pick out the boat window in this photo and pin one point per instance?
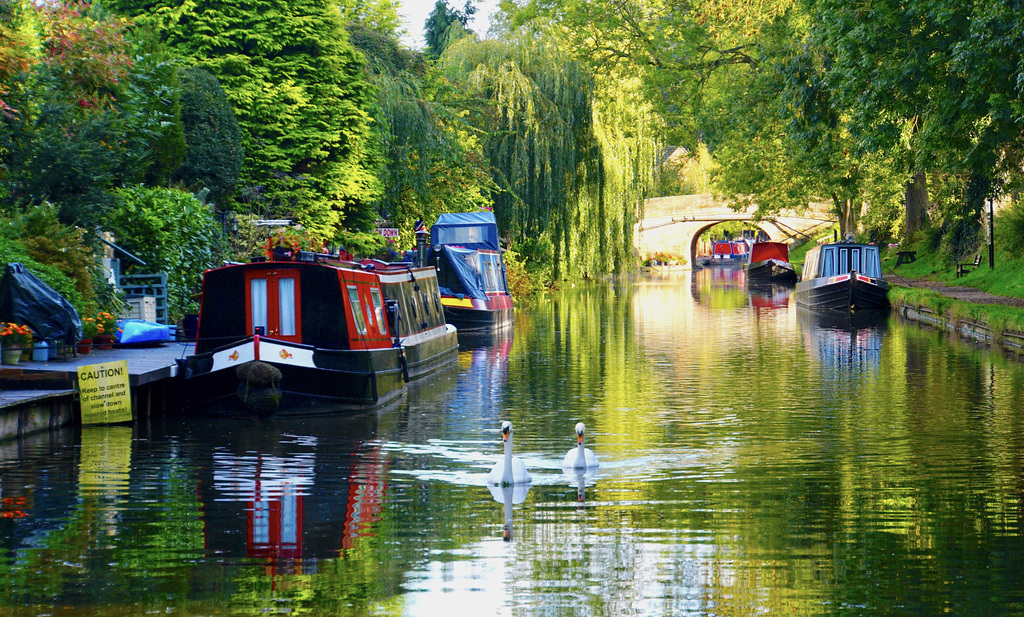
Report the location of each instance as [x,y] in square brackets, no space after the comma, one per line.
[378,309]
[855,260]
[828,261]
[258,294]
[437,300]
[872,264]
[412,303]
[286,305]
[810,269]
[357,308]
[843,262]
[426,303]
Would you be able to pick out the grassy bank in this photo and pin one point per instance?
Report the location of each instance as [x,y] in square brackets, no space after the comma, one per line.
[996,317]
[1006,278]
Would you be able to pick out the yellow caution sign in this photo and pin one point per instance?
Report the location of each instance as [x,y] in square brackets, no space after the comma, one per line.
[104,393]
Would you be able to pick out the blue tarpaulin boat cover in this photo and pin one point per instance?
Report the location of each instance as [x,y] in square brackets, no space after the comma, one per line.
[471,230]
[478,273]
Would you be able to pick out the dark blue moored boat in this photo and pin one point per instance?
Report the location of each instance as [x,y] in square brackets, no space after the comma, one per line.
[842,276]
[471,272]
[314,334]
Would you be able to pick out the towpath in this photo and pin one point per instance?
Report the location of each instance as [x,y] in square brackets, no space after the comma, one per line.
[957,292]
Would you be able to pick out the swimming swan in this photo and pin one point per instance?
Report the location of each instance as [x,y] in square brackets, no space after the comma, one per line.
[580,457]
[509,470]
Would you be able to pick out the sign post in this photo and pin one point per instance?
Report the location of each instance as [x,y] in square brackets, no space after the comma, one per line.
[104,393]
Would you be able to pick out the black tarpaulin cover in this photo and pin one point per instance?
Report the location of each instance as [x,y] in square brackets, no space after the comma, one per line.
[24,299]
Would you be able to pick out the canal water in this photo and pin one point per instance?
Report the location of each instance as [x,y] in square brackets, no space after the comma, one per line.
[754,459]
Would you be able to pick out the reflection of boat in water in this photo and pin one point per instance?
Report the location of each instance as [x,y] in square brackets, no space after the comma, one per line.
[498,340]
[474,288]
[843,339]
[769,296]
[769,263]
[266,495]
[843,276]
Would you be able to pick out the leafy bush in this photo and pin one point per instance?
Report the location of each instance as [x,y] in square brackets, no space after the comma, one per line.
[520,282]
[49,242]
[173,233]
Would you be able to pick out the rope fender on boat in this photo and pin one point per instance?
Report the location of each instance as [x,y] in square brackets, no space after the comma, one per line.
[259,387]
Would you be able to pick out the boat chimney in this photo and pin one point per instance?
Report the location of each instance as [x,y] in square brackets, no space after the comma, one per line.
[421,243]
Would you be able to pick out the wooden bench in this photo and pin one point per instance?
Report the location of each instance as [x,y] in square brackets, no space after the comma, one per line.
[905,257]
[961,269]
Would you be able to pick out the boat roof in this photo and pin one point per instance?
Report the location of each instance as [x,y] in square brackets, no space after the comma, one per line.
[471,230]
[769,250]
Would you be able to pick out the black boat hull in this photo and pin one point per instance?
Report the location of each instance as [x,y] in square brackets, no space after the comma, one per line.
[321,381]
[846,292]
[770,271]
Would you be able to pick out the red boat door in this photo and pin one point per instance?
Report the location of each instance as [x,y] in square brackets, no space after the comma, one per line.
[272,303]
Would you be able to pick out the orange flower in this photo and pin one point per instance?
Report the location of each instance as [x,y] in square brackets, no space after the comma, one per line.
[15,334]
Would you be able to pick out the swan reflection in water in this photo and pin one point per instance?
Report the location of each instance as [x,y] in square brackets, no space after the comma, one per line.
[508,496]
[581,478]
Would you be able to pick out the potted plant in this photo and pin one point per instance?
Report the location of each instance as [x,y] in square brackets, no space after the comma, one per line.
[16,340]
[106,326]
[90,328]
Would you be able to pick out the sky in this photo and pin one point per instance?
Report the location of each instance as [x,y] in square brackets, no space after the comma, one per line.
[415,12]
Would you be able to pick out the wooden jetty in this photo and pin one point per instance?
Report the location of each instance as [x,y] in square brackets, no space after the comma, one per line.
[37,396]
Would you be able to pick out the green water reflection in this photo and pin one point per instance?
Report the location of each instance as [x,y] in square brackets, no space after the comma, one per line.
[755,459]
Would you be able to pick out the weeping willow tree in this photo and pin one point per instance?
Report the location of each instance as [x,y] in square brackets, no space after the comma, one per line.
[572,152]
[433,159]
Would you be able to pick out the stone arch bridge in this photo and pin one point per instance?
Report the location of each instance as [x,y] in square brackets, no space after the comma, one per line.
[674,224]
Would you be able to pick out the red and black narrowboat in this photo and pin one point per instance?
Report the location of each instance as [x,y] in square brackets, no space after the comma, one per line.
[314,335]
[769,263]
[471,272]
[728,252]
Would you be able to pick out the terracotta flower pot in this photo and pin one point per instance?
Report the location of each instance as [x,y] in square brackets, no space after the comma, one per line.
[84,346]
[103,341]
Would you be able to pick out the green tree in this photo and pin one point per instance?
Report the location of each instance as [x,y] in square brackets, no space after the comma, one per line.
[380,16]
[444,25]
[571,166]
[300,97]
[93,111]
[781,140]
[674,47]
[214,154]
[434,160]
[939,79]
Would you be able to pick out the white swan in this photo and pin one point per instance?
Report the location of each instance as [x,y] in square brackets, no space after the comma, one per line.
[580,456]
[509,470]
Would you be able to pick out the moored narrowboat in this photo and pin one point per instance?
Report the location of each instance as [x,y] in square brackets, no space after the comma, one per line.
[842,276]
[314,335]
[728,252]
[769,263]
[471,272]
